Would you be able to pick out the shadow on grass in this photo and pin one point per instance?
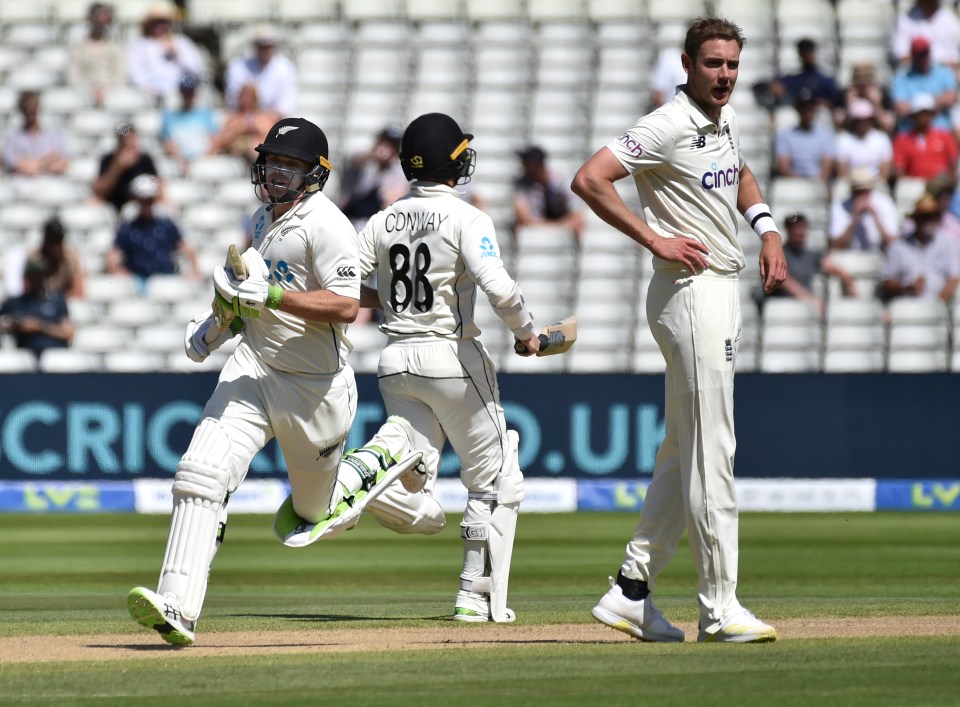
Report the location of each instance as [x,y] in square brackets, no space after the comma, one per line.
[317,618]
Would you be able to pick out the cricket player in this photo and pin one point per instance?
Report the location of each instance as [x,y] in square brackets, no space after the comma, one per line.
[685,159]
[288,378]
[431,251]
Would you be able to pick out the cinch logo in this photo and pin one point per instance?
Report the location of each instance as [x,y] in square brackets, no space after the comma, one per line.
[631,143]
[716,178]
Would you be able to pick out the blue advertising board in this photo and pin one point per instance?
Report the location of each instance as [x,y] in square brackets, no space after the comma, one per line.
[127,426]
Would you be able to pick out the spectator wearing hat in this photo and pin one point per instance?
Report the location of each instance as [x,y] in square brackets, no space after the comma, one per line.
[924,76]
[867,219]
[64,270]
[864,87]
[187,133]
[943,189]
[121,166]
[861,145]
[274,75]
[38,319]
[149,243]
[245,126]
[925,150]
[160,56]
[924,264]
[373,179]
[936,23]
[540,197]
[97,63]
[809,79]
[804,265]
[807,149]
[34,150]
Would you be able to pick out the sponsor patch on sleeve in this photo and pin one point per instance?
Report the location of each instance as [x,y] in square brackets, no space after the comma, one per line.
[346,272]
[631,144]
[487,248]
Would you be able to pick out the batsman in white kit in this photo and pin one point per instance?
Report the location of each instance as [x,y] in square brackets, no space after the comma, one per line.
[430,251]
[289,298]
[693,184]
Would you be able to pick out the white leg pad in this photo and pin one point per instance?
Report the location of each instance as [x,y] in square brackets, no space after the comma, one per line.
[499,534]
[408,513]
[199,509]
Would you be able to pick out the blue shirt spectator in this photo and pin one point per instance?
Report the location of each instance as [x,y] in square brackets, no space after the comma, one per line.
[810,78]
[188,133]
[38,319]
[924,76]
[806,150]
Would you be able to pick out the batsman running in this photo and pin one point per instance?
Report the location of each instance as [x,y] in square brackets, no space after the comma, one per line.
[289,299]
[693,183]
[431,251]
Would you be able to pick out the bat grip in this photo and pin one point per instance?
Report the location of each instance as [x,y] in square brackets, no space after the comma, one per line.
[544,344]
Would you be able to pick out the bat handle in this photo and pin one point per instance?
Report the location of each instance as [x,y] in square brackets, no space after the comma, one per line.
[520,348]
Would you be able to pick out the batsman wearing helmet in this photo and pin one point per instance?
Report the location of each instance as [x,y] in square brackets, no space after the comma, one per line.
[431,251]
[693,183]
[289,298]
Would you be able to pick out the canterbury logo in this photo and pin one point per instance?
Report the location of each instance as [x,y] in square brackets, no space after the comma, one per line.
[287,128]
[416,161]
[346,271]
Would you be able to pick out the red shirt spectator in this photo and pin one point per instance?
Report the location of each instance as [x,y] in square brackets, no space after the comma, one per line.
[924,151]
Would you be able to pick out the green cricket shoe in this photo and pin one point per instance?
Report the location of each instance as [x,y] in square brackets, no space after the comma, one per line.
[161,612]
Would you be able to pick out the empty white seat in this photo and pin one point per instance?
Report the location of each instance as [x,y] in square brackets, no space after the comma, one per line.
[910,310]
[101,338]
[854,311]
[859,263]
[133,362]
[648,361]
[366,337]
[918,336]
[110,288]
[17,361]
[790,361]
[791,337]
[917,361]
[70,361]
[586,360]
[784,310]
[133,313]
[868,337]
[168,289]
[853,361]
[166,338]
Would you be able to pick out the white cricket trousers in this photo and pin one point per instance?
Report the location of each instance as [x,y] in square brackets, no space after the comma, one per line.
[448,390]
[309,415]
[697,324]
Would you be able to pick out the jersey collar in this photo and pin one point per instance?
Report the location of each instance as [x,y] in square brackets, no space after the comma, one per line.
[418,188]
[699,118]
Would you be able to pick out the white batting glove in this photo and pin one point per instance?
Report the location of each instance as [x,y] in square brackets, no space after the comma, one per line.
[253,294]
[256,267]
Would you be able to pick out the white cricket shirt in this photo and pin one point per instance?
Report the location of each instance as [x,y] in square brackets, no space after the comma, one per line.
[687,172]
[431,250]
[311,247]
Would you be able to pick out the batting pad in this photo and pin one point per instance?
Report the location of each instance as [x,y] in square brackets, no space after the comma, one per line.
[294,531]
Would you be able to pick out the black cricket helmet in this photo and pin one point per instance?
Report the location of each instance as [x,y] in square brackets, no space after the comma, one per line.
[434,148]
[302,140]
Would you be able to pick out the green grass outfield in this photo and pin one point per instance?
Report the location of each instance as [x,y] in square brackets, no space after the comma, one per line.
[63,575]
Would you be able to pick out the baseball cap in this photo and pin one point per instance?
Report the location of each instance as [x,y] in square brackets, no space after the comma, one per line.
[860,109]
[533,153]
[919,45]
[297,138]
[265,35]
[922,102]
[144,186]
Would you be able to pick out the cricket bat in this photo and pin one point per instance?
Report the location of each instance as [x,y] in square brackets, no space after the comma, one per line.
[554,338]
[235,263]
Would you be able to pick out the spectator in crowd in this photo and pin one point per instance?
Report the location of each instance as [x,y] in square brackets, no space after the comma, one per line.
[64,270]
[540,197]
[862,145]
[867,219]
[159,56]
[924,151]
[943,190]
[931,20]
[807,149]
[188,133]
[34,150]
[667,74]
[810,79]
[864,87]
[924,264]
[804,265]
[97,62]
[373,179]
[38,318]
[244,127]
[149,243]
[924,76]
[121,166]
[274,75]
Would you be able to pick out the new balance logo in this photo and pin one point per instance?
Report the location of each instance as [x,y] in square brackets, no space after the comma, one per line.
[287,128]
[699,142]
[346,271]
[728,350]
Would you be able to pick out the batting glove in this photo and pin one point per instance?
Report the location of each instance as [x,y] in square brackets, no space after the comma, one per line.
[253,294]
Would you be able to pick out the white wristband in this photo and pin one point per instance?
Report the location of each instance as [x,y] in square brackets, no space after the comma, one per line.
[760,219]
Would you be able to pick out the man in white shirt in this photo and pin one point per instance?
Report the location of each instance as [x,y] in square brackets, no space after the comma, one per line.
[867,219]
[431,250]
[273,74]
[931,20]
[927,263]
[862,146]
[693,183]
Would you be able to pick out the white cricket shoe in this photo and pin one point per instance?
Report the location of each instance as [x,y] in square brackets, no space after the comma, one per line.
[472,607]
[161,612]
[415,478]
[641,619]
[739,627]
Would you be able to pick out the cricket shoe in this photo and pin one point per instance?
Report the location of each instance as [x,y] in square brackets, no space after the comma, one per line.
[641,619]
[161,612]
[415,478]
[475,608]
[739,627]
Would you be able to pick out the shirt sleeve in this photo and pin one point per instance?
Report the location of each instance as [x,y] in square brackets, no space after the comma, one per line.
[336,258]
[647,144]
[368,247]
[839,219]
